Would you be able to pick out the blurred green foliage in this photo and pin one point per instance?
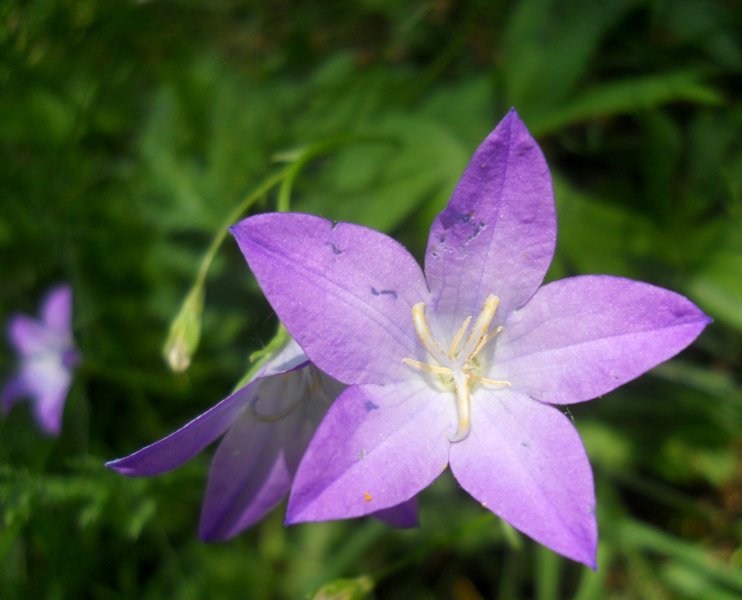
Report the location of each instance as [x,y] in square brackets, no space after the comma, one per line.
[129,132]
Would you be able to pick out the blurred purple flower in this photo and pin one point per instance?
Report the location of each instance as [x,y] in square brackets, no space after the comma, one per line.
[443,371]
[47,358]
[268,424]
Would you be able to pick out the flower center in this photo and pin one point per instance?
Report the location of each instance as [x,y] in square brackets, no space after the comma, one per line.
[457,367]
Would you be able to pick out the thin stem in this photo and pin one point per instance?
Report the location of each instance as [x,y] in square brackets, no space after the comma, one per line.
[308,154]
[249,200]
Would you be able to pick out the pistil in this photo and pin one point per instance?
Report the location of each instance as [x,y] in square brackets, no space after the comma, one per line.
[457,365]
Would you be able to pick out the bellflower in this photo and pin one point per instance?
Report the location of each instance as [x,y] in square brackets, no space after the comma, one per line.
[461,365]
[268,423]
[47,359]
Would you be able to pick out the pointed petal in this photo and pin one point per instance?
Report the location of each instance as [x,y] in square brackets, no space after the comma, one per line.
[50,396]
[498,232]
[29,336]
[581,337]
[402,516]
[47,382]
[344,292]
[377,447]
[525,462]
[48,409]
[255,464]
[182,445]
[56,310]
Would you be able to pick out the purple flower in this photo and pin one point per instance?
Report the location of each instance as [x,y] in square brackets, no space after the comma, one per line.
[461,365]
[268,423]
[47,358]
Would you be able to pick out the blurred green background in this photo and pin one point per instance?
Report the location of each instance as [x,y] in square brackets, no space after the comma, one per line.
[129,131]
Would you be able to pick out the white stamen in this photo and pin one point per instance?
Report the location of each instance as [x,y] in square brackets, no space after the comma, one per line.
[463,407]
[427,367]
[423,331]
[481,325]
[456,365]
[454,347]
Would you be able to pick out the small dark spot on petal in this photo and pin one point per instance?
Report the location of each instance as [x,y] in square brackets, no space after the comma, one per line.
[442,238]
[476,229]
[449,218]
[369,406]
[525,444]
[376,292]
[335,249]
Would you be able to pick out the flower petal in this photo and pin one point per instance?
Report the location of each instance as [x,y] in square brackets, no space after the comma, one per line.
[498,232]
[182,445]
[525,462]
[581,337]
[48,382]
[49,399]
[402,516]
[56,310]
[256,461]
[247,478]
[15,388]
[377,447]
[30,337]
[48,409]
[288,358]
[343,291]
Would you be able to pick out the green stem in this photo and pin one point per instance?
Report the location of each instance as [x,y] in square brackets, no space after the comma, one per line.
[251,199]
[311,152]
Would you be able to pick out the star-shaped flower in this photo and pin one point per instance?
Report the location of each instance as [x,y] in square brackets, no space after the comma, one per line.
[268,423]
[461,365]
[47,359]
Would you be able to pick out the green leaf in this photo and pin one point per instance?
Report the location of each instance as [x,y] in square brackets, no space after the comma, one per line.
[627,96]
[345,589]
[639,535]
[717,285]
[548,47]
[380,185]
[599,237]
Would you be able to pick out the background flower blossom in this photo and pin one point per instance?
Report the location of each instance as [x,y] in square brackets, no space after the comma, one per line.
[47,356]
[461,365]
[266,424]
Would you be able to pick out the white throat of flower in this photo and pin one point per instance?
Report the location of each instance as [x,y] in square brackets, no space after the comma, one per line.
[457,367]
